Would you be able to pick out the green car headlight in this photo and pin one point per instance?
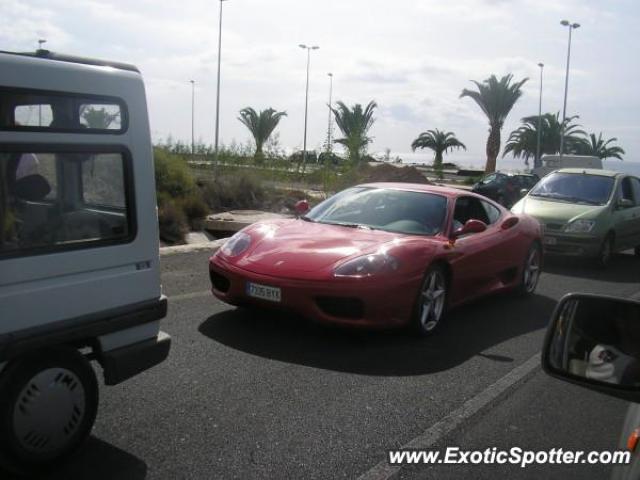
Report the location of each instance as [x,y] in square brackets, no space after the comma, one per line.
[580,226]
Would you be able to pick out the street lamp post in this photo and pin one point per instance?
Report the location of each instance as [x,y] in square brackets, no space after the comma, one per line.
[306,104]
[193,105]
[329,149]
[537,162]
[41,41]
[571,26]
[215,145]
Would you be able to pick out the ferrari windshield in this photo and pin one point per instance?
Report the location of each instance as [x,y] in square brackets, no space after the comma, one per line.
[383,209]
[575,188]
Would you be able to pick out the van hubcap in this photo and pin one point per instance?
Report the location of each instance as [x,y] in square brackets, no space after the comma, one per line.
[49,411]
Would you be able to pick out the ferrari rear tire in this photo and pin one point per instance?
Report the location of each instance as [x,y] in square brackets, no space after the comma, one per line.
[431,303]
[48,404]
[531,270]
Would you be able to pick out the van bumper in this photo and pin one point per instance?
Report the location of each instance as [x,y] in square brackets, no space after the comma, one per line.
[125,362]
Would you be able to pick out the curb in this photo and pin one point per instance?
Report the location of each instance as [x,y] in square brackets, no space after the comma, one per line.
[194,247]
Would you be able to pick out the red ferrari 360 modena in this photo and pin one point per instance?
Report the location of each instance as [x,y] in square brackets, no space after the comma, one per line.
[381,255]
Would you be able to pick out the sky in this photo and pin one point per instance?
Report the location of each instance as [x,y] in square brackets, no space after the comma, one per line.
[413,57]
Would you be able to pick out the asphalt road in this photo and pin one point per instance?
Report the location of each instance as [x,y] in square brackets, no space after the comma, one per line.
[258,395]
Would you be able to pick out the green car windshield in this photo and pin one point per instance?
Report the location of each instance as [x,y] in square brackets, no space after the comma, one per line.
[383,209]
[575,188]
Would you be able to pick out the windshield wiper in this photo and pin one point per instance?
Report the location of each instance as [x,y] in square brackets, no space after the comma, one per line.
[351,225]
[307,219]
[568,198]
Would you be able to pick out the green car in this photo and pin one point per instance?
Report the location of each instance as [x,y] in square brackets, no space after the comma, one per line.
[586,212]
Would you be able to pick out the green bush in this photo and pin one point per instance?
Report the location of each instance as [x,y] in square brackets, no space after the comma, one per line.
[196,210]
[241,190]
[172,174]
[172,222]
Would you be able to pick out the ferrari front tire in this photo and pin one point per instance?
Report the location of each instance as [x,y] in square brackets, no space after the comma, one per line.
[48,404]
[531,270]
[431,302]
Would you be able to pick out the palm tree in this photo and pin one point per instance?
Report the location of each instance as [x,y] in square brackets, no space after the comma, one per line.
[496,98]
[261,125]
[522,142]
[597,147]
[354,123]
[438,141]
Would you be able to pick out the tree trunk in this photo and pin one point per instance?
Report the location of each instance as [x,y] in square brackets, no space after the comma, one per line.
[437,161]
[493,148]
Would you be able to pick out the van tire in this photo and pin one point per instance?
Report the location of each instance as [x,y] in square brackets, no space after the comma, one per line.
[57,383]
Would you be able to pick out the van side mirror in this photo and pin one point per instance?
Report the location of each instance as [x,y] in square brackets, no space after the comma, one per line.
[32,188]
[594,341]
[471,226]
[624,203]
[301,207]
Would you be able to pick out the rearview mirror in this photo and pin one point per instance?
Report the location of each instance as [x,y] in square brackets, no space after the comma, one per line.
[301,207]
[594,341]
[471,226]
[625,203]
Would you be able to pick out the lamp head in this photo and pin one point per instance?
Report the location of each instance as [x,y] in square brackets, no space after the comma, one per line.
[565,23]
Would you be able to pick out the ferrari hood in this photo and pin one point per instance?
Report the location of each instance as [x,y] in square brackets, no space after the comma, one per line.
[298,246]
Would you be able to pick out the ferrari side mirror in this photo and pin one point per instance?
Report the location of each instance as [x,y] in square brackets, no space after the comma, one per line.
[301,207]
[471,226]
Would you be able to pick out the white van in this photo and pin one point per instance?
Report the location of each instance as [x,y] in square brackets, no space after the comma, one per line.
[552,163]
[79,273]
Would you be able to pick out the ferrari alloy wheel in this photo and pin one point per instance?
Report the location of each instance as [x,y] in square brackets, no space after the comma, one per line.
[49,403]
[531,270]
[431,301]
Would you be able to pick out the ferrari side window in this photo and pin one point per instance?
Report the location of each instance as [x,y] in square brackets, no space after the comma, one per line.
[493,214]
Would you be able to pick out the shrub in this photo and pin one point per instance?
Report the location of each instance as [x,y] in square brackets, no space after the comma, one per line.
[172,222]
[241,190]
[196,210]
[172,174]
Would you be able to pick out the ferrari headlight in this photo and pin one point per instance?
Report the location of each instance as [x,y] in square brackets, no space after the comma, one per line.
[367,265]
[580,226]
[236,245]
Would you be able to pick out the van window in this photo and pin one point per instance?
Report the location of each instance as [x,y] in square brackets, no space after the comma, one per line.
[57,200]
[28,109]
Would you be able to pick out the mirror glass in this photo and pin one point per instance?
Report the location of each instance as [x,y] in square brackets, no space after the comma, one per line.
[597,339]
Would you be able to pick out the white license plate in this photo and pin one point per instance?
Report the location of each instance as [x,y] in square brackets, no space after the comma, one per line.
[263,292]
[550,240]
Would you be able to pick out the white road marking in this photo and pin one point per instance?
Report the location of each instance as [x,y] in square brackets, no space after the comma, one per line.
[431,436]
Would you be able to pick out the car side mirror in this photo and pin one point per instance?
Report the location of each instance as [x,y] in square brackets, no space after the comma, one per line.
[624,203]
[594,341]
[32,188]
[301,207]
[471,226]
[524,191]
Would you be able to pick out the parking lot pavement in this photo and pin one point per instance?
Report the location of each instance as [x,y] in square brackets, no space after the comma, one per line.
[248,394]
[543,414]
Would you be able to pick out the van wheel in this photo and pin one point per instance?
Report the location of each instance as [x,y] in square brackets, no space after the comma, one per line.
[606,251]
[48,403]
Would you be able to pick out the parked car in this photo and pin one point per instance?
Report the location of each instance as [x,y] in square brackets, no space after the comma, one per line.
[586,213]
[427,248]
[594,341]
[79,273]
[504,188]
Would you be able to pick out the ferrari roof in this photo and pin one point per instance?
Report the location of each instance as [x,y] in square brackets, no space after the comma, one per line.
[419,187]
